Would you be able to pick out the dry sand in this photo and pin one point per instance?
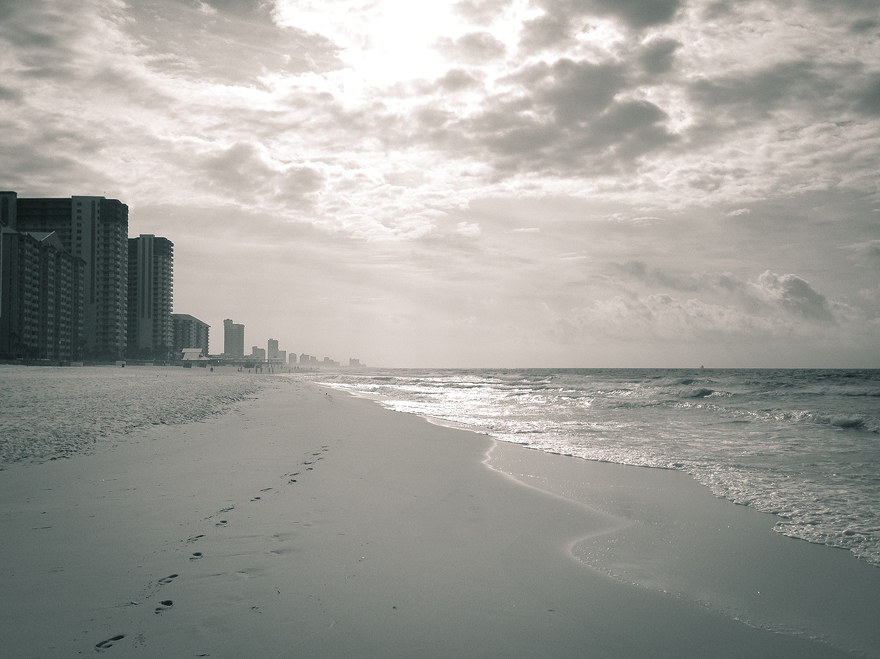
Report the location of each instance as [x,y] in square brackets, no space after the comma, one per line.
[311,524]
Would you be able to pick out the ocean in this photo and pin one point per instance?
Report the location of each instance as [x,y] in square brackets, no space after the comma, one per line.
[802,444]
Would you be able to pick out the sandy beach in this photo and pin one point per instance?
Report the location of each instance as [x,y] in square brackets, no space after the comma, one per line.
[307,523]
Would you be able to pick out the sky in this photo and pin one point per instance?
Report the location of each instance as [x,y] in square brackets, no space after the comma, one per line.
[481,183]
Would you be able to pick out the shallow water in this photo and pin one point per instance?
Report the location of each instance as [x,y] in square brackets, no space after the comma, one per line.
[47,413]
[803,444]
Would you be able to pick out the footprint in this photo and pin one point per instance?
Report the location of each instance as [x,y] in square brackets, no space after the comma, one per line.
[164,605]
[292,480]
[196,556]
[195,537]
[265,489]
[255,499]
[168,579]
[103,645]
[222,522]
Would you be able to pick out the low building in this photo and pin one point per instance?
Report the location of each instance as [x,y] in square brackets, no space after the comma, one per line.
[194,356]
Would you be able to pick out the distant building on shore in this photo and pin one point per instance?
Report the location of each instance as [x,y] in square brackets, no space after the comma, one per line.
[274,354]
[258,354]
[233,339]
[150,297]
[188,332]
[95,230]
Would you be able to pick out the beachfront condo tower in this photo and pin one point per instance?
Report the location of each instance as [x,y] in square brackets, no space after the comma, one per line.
[95,230]
[41,292]
[150,297]
[188,332]
[233,339]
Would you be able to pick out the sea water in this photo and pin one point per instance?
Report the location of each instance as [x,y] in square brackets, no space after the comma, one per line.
[803,444]
[47,413]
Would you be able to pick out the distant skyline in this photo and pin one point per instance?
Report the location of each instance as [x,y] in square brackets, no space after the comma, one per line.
[486,183]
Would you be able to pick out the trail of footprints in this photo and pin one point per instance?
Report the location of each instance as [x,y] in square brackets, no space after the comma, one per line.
[167,604]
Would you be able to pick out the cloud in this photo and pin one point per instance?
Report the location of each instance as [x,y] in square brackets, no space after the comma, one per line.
[482,12]
[759,92]
[775,307]
[456,80]
[247,171]
[795,295]
[863,25]
[224,40]
[658,55]
[470,230]
[562,18]
[564,117]
[473,47]
[737,212]
[868,98]
[662,317]
[868,251]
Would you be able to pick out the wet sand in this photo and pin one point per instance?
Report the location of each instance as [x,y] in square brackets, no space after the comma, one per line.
[310,524]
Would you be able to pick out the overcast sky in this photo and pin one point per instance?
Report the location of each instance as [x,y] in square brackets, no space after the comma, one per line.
[477,183]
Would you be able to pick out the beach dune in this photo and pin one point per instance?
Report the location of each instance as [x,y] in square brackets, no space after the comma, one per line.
[307,523]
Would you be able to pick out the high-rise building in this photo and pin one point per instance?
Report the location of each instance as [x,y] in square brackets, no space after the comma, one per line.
[94,229]
[150,297]
[233,339]
[188,332]
[272,351]
[258,354]
[41,297]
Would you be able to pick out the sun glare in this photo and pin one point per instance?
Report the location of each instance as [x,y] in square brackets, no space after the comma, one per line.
[383,42]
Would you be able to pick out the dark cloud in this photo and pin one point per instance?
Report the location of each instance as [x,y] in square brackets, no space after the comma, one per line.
[40,37]
[758,93]
[868,99]
[720,9]
[545,31]
[243,171]
[473,47]
[864,25]
[658,55]
[562,17]
[566,119]
[576,91]
[658,277]
[640,13]
[795,295]
[457,79]
[248,8]
[724,284]
[7,94]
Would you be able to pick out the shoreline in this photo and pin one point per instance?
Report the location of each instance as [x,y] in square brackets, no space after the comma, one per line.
[308,524]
